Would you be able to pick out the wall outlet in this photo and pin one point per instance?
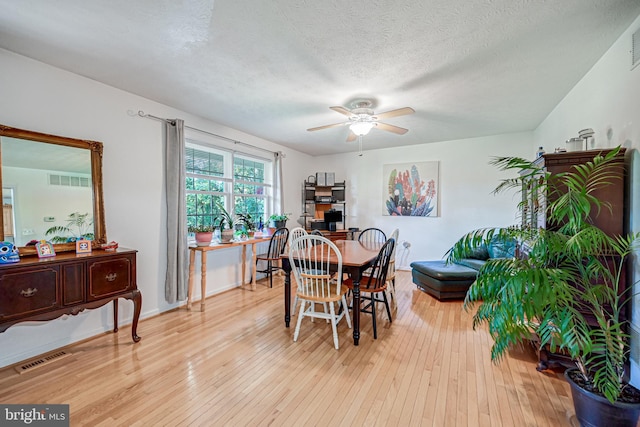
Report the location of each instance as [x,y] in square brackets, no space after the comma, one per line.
[28,232]
[49,218]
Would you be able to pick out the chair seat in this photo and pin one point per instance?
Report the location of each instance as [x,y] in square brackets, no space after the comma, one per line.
[316,298]
[349,284]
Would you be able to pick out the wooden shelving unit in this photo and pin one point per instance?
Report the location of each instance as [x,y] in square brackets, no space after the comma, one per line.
[318,199]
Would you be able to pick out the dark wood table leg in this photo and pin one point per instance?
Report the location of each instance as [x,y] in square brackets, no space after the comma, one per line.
[355,276]
[287,291]
[356,313]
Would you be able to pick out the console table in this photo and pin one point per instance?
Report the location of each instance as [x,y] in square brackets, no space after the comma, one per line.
[203,261]
[68,283]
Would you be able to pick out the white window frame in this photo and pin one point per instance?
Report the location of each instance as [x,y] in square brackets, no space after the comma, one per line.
[229,178]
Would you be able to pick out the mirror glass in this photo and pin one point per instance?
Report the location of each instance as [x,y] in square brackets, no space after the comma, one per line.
[49,189]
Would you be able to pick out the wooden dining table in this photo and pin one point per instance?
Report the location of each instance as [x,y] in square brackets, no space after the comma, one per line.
[356,258]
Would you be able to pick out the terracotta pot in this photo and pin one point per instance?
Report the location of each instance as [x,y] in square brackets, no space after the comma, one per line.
[203,238]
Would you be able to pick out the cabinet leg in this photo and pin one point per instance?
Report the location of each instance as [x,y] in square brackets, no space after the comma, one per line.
[115,315]
[137,306]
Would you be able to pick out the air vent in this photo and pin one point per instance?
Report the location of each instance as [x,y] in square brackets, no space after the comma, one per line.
[41,361]
[635,49]
[69,180]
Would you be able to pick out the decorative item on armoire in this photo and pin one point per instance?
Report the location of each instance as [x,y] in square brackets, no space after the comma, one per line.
[83,246]
[8,253]
[45,249]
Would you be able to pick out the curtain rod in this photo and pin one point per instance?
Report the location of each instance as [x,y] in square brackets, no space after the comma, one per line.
[150,116]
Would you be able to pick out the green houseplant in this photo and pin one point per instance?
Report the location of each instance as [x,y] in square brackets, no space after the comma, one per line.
[225,223]
[566,288]
[78,226]
[278,220]
[247,224]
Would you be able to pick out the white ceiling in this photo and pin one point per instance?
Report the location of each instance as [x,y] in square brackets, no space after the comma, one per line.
[272,68]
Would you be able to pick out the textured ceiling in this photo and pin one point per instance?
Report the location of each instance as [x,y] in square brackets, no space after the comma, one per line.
[272,68]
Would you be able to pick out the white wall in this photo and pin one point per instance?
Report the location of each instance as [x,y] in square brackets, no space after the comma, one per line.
[607,99]
[39,97]
[466,185]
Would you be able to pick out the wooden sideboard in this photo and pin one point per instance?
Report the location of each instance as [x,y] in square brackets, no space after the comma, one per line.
[46,288]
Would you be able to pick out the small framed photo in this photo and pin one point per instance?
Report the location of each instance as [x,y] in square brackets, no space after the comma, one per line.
[83,246]
[45,249]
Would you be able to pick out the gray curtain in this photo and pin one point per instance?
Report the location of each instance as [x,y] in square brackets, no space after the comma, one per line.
[175,286]
[278,196]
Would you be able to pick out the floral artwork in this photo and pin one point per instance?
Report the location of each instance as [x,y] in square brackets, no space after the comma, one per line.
[411,189]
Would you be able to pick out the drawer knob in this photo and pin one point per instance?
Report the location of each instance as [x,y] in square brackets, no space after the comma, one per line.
[29,292]
[111,277]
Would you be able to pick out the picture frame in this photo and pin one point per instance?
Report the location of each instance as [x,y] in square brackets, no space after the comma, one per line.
[411,189]
[83,246]
[45,249]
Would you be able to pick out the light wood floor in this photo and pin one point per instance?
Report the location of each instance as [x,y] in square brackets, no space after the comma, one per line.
[236,364]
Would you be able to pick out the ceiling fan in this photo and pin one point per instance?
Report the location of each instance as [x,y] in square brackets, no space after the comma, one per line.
[362,119]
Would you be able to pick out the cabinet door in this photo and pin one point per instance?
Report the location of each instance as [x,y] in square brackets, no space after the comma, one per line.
[73,283]
[29,292]
[109,277]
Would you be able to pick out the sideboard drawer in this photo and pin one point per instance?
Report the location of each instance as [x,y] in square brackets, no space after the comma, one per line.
[110,276]
[28,292]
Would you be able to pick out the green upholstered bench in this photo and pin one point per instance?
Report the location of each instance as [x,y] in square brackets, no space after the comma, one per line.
[442,280]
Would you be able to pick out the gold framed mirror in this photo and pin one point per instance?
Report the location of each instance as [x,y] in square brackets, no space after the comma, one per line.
[47,181]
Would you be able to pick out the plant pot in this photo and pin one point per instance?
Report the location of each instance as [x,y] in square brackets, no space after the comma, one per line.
[226,236]
[593,410]
[203,238]
[278,224]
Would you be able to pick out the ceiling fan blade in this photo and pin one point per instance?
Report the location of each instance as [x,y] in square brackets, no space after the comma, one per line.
[391,128]
[327,126]
[342,110]
[352,137]
[395,113]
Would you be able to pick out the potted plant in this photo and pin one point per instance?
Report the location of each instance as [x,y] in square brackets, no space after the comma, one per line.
[225,222]
[247,224]
[204,233]
[278,220]
[79,226]
[566,288]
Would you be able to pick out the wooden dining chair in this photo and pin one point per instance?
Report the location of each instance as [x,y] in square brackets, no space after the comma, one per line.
[294,233]
[271,258]
[310,258]
[374,285]
[391,274]
[373,236]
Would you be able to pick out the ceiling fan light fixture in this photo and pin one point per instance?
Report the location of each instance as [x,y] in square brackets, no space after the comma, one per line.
[361,128]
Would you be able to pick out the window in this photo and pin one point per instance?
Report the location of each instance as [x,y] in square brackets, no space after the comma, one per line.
[215,177]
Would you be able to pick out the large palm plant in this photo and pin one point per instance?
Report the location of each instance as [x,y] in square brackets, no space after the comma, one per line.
[567,283]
